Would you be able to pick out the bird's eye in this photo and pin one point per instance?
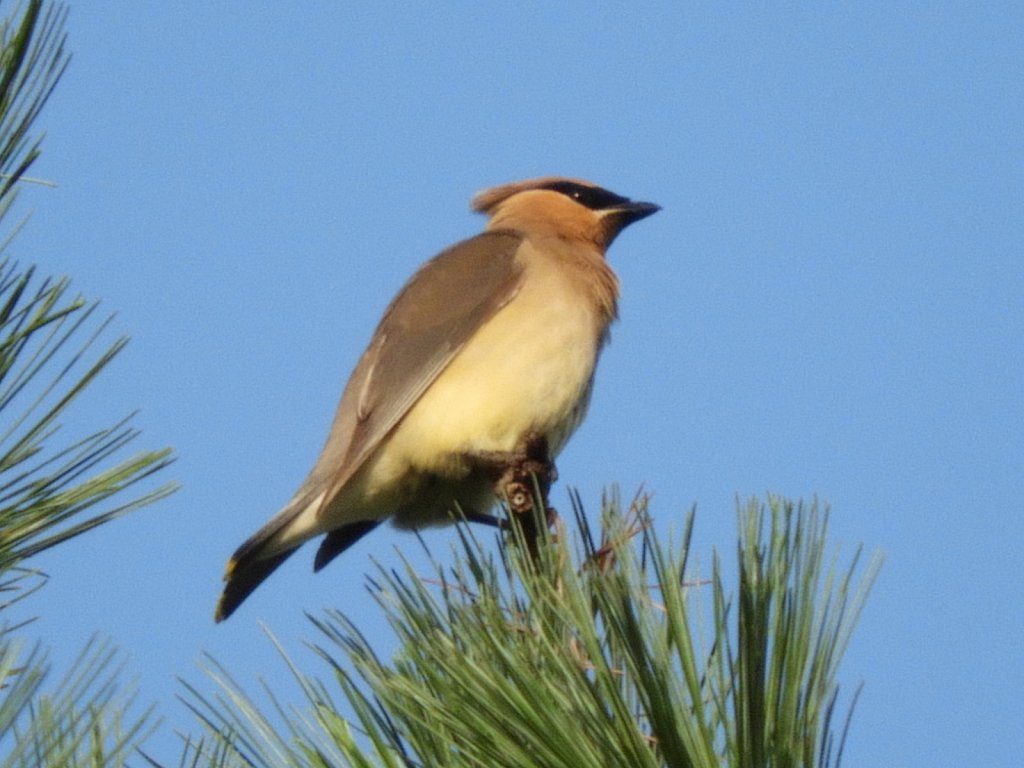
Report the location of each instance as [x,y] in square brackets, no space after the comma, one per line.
[594,198]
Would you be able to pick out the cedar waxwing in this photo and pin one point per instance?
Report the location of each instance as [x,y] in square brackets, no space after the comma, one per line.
[485,356]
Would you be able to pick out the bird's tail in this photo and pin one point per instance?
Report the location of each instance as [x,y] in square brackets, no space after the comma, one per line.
[242,577]
[262,553]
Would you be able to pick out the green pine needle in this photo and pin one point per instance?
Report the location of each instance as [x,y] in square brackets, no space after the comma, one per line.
[596,652]
[53,488]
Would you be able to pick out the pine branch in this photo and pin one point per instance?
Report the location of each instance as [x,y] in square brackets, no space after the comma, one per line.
[587,655]
[51,487]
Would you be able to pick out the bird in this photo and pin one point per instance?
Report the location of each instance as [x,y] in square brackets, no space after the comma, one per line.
[484,359]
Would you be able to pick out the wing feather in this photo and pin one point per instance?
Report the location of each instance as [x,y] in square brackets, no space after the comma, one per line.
[423,329]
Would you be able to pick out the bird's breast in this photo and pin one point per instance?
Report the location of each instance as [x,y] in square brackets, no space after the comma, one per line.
[526,371]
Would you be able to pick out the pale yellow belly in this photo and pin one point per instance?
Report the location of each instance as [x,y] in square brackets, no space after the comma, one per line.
[526,372]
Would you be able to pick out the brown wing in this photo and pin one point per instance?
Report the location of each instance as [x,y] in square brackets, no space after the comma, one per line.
[426,325]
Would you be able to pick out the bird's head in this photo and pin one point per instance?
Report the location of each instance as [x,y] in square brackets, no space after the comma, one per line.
[572,209]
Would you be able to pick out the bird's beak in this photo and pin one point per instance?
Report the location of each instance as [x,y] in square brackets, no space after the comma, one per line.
[622,215]
[630,212]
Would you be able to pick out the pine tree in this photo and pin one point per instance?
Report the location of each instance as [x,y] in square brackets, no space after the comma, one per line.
[585,655]
[52,487]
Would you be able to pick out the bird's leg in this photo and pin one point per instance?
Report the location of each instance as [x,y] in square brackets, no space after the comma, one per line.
[515,482]
[514,477]
[512,471]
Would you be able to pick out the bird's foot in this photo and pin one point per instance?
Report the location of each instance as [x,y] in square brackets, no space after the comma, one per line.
[516,484]
[519,475]
[517,469]
[514,472]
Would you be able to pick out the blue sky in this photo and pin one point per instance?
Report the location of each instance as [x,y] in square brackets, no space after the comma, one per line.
[829,304]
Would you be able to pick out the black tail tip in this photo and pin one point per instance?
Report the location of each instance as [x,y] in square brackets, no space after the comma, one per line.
[242,578]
